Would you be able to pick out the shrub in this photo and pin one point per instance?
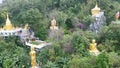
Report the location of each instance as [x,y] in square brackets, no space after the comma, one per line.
[102,61]
[78,62]
[80,41]
[110,36]
[114,60]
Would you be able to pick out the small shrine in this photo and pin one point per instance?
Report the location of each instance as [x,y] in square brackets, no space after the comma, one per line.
[93,48]
[10,30]
[99,19]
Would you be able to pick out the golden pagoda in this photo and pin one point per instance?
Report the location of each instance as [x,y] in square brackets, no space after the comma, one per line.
[8,29]
[95,10]
[8,24]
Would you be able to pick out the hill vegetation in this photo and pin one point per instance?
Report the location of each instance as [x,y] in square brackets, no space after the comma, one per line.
[71,49]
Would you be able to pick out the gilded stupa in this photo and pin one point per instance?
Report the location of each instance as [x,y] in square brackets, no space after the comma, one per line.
[95,10]
[99,19]
[8,25]
[9,29]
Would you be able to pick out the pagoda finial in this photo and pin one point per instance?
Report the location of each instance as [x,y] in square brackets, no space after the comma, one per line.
[7,16]
[8,24]
[96,5]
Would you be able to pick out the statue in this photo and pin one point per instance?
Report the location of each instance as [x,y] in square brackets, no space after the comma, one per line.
[33,57]
[53,25]
[26,26]
[93,49]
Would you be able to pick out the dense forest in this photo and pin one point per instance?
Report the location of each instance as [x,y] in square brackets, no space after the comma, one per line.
[70,49]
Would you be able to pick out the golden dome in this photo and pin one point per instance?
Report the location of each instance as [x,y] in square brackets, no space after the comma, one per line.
[8,25]
[95,10]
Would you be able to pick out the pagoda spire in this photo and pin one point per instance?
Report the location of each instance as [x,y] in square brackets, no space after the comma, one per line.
[8,24]
[8,20]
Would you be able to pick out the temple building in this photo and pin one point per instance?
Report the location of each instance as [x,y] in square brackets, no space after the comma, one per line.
[10,30]
[99,19]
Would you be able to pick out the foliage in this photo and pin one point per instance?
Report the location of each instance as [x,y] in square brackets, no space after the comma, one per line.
[80,42]
[102,61]
[69,47]
[50,65]
[110,37]
[78,62]
[87,20]
[114,59]
[13,56]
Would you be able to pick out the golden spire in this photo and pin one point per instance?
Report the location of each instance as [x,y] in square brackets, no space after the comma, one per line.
[95,10]
[8,25]
[33,57]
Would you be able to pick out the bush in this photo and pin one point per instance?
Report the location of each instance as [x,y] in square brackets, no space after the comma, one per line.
[13,56]
[102,61]
[110,36]
[78,62]
[80,42]
[114,60]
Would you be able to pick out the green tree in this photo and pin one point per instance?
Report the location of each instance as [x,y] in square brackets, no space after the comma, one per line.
[102,61]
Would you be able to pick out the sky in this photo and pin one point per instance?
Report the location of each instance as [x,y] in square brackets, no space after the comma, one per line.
[0,1]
